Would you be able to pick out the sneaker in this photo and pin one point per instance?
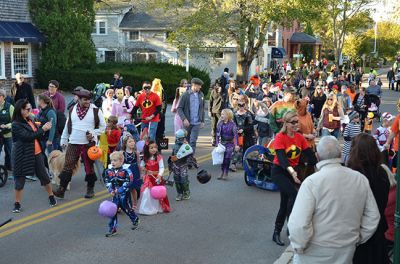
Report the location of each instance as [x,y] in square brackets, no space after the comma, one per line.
[135,224]
[52,201]
[17,208]
[111,232]
[186,196]
[233,168]
[178,197]
[31,178]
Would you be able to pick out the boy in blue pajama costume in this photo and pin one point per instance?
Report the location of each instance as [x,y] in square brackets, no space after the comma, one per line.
[117,181]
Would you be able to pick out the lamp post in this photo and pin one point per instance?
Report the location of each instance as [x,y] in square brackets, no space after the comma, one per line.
[187,57]
[397,215]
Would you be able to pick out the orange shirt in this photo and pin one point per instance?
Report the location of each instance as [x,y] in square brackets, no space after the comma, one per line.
[38,150]
[352,95]
[395,130]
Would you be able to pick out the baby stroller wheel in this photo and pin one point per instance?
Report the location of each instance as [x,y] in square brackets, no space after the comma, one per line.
[3,175]
[246,179]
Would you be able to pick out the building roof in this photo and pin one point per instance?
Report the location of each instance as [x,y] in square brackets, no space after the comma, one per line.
[141,20]
[11,31]
[303,38]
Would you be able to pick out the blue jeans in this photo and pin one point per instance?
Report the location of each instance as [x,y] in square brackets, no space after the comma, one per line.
[152,126]
[335,133]
[193,134]
[7,143]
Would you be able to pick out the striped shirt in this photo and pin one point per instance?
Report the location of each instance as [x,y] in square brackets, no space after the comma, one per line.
[351,130]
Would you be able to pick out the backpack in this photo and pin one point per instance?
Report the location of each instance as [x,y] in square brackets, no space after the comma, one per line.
[97,94]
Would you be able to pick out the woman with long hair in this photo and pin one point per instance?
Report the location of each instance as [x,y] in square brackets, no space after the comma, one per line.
[331,114]
[366,158]
[361,102]
[289,145]
[51,139]
[178,92]
[27,153]
[317,101]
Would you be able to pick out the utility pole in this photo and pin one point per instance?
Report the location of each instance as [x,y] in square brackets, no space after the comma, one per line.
[187,57]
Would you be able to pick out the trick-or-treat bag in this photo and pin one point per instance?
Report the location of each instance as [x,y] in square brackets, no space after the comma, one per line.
[217,157]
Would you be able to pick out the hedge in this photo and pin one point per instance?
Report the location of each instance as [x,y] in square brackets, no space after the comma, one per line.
[133,75]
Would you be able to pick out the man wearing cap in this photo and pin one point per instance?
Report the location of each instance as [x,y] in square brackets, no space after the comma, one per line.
[84,125]
[279,108]
[6,112]
[150,104]
[56,97]
[191,111]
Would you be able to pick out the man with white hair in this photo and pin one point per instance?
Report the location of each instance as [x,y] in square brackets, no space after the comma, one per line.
[334,211]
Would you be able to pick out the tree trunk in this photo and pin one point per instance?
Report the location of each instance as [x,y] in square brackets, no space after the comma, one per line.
[243,67]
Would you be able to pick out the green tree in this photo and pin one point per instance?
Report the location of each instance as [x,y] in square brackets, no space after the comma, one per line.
[307,50]
[214,23]
[67,25]
[338,19]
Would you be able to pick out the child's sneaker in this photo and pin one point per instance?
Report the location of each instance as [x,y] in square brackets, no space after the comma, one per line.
[112,232]
[17,208]
[178,197]
[52,201]
[135,224]
[186,196]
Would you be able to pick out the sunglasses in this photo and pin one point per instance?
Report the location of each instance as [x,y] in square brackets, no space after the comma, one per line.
[28,109]
[241,105]
[147,87]
[330,99]
[293,122]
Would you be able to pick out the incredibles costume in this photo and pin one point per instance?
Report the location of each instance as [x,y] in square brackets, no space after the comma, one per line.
[118,181]
[288,152]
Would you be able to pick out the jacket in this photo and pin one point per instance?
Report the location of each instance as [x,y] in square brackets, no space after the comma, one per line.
[184,106]
[216,102]
[334,208]
[23,91]
[23,150]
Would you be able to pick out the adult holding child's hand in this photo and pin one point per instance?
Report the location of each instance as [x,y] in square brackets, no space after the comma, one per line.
[27,153]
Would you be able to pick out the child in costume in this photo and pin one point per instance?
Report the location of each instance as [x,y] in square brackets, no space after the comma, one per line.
[113,133]
[117,181]
[152,167]
[227,135]
[382,133]
[120,107]
[368,123]
[182,157]
[262,120]
[131,158]
[351,131]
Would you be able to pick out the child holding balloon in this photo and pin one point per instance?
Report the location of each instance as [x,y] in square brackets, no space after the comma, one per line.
[131,158]
[152,167]
[117,181]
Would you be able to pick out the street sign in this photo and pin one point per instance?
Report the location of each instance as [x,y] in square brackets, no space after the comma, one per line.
[298,56]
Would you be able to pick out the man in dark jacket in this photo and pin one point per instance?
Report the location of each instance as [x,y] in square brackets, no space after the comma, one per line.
[215,107]
[116,83]
[22,90]
[390,77]
[191,111]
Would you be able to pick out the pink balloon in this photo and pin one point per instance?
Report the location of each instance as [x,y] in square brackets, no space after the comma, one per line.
[35,111]
[107,209]
[158,192]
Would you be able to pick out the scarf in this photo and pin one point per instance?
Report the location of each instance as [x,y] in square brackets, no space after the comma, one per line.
[80,111]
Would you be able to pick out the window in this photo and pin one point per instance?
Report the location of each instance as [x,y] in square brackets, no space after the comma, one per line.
[109,56]
[219,55]
[2,61]
[144,56]
[99,28]
[133,35]
[21,59]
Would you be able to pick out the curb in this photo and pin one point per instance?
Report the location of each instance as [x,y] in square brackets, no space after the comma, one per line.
[286,257]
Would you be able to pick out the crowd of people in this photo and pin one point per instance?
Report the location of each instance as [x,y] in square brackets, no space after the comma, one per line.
[286,110]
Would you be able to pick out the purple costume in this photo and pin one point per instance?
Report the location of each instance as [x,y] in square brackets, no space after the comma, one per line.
[226,134]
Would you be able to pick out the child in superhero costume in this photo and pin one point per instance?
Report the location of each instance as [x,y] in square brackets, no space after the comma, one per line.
[117,181]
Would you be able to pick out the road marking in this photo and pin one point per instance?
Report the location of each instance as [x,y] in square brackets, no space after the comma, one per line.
[58,210]
[17,228]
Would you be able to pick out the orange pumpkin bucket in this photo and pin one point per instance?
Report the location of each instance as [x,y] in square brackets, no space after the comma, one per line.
[240,140]
[94,153]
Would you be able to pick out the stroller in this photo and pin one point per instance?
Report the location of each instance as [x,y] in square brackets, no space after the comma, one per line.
[374,104]
[257,163]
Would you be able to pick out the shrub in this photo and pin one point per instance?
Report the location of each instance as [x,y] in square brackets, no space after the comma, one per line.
[133,74]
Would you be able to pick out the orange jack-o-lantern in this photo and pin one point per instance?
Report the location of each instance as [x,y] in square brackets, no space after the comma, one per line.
[94,153]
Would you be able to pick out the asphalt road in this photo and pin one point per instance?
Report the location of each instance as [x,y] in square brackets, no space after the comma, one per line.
[224,222]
